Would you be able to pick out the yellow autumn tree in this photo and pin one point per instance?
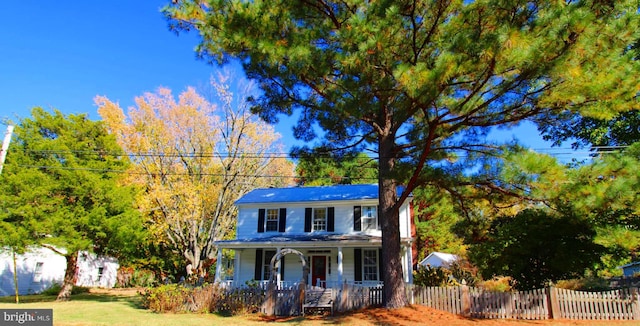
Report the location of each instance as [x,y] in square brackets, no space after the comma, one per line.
[194,158]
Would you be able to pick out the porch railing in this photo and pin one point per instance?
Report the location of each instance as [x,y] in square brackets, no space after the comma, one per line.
[285,285]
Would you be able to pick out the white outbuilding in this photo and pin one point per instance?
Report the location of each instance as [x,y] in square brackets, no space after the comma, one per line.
[439,259]
[40,268]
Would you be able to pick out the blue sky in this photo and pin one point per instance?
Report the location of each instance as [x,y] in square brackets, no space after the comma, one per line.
[61,54]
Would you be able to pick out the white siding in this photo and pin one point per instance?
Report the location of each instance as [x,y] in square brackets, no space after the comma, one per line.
[247,225]
[53,267]
[90,266]
[293,265]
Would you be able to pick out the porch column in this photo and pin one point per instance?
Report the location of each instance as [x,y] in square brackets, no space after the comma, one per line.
[279,274]
[236,267]
[409,264]
[219,266]
[339,266]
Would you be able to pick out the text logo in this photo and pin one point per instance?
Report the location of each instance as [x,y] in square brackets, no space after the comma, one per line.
[29,317]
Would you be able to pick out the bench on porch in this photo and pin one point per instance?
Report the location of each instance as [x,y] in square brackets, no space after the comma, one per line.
[318,299]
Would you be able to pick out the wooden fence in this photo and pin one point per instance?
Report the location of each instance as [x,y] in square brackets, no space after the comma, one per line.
[622,304]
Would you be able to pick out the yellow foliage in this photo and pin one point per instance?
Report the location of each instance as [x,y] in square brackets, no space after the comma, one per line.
[194,158]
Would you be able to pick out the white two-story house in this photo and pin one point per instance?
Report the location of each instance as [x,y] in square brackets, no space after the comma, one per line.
[335,228]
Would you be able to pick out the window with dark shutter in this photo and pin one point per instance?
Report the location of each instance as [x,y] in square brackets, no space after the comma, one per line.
[357,213]
[307,219]
[261,214]
[282,227]
[357,257]
[257,275]
[379,264]
[331,219]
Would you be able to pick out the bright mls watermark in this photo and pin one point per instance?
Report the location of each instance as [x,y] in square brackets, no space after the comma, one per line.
[30,317]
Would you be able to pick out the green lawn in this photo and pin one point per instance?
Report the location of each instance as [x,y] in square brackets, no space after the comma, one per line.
[104,309]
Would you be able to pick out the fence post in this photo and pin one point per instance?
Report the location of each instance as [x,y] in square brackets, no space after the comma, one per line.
[635,307]
[466,300]
[553,305]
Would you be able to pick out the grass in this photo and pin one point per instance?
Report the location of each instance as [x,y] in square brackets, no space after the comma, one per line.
[110,310]
[123,307]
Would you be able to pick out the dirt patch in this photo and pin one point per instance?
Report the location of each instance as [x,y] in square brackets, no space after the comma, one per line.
[409,316]
[422,315]
[121,292]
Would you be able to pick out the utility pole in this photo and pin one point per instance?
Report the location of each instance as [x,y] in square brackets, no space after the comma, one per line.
[3,155]
[5,146]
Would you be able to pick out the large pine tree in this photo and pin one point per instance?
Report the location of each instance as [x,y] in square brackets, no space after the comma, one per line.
[418,81]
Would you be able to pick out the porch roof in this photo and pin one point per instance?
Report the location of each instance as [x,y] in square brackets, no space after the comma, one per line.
[307,241]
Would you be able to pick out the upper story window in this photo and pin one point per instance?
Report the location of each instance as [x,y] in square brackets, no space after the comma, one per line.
[319,219]
[272,220]
[365,218]
[369,218]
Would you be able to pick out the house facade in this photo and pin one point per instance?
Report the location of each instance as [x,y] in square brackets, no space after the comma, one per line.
[335,230]
[40,268]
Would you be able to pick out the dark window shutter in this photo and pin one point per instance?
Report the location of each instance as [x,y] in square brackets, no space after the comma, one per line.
[378,212]
[282,268]
[282,221]
[261,213]
[379,264]
[307,219]
[331,220]
[357,257]
[357,214]
[258,271]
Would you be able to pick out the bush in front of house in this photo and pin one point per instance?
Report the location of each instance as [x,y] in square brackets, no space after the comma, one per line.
[202,299]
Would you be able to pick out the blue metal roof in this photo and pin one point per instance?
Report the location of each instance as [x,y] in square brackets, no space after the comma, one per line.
[306,194]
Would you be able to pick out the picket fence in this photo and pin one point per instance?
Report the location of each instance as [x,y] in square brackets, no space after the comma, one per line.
[621,304]
[549,303]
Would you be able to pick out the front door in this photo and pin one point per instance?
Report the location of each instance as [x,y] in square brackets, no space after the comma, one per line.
[318,270]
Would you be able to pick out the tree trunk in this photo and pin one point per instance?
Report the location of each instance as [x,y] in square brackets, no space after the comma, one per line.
[392,275]
[15,276]
[70,277]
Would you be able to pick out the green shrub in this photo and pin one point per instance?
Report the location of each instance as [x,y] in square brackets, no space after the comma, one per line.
[497,284]
[54,289]
[165,298]
[584,284]
[202,299]
[432,276]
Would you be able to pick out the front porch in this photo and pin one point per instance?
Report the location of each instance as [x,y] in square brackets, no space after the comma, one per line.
[331,261]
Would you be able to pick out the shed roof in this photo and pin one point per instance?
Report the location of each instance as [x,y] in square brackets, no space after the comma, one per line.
[439,258]
[310,194]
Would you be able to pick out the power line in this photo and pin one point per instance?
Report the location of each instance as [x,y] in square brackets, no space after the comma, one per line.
[129,172]
[269,155]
